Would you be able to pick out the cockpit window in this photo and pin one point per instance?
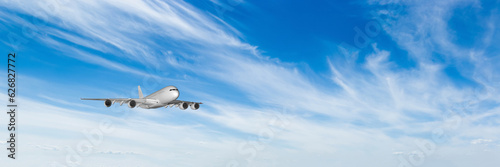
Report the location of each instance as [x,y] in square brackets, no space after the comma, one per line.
[173,89]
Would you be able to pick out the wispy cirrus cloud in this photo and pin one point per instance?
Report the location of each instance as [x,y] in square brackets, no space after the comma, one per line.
[357,111]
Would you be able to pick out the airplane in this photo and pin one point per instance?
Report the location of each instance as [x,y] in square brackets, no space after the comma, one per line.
[165,97]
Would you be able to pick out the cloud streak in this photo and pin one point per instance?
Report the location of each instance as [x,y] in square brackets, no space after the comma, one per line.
[366,111]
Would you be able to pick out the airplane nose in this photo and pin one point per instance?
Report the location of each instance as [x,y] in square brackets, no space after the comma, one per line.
[176,94]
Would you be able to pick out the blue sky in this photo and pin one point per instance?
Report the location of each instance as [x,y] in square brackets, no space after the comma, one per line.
[284,83]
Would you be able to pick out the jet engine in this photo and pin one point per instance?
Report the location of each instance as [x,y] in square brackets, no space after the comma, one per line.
[107,103]
[195,106]
[183,106]
[132,103]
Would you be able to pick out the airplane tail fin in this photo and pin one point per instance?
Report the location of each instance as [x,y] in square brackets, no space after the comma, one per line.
[140,92]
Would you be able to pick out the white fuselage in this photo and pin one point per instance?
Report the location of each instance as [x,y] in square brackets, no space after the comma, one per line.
[161,97]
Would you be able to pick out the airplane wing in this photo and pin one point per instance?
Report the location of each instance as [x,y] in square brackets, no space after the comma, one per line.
[110,101]
[180,101]
[116,99]
[184,104]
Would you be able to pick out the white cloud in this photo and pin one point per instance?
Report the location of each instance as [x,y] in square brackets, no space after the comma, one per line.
[46,147]
[481,141]
[65,102]
[118,152]
[365,114]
